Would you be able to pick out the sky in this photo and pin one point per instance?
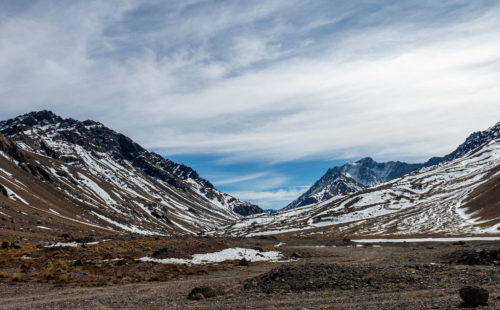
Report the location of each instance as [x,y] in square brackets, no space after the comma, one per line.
[260,97]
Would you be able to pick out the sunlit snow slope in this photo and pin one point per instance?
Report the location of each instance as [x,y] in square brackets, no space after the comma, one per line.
[459,196]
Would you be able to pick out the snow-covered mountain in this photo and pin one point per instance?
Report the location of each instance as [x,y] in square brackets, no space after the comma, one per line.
[104,179]
[352,177]
[459,195]
[366,172]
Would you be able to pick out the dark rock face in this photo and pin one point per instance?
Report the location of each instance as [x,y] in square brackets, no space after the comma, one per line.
[11,148]
[246,209]
[34,127]
[474,296]
[3,191]
[475,141]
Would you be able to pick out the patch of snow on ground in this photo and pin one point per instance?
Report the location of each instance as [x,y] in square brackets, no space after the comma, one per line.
[217,257]
[63,244]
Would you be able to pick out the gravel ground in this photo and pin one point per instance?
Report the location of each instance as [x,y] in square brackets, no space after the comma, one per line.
[396,276]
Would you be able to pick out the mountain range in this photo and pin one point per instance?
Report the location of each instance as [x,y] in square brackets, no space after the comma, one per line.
[82,178]
[366,172]
[352,177]
[73,175]
[459,194]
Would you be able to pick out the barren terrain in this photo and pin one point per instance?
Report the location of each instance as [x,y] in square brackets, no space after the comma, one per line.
[313,273]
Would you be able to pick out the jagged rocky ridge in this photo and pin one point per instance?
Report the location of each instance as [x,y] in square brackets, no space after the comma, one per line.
[366,172]
[115,173]
[352,177]
[458,196]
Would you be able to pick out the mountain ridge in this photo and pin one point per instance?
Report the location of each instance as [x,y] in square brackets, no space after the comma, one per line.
[456,197]
[338,180]
[351,177]
[97,138]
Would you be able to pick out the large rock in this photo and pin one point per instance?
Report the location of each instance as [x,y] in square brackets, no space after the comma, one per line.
[474,296]
[202,292]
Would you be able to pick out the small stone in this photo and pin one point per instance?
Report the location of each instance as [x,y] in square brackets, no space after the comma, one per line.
[474,296]
[243,262]
[15,245]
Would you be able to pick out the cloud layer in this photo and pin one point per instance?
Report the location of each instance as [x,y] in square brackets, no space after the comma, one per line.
[270,81]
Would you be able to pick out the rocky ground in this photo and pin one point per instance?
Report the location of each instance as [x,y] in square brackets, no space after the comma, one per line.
[315,273]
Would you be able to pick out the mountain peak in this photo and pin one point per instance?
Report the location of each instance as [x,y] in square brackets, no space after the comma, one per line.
[474,141]
[366,161]
[89,144]
[352,177]
[43,117]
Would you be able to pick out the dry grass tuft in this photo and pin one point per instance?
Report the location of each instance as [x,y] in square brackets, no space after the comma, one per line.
[50,272]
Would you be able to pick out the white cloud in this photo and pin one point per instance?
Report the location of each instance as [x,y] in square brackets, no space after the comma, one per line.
[272,199]
[240,179]
[248,82]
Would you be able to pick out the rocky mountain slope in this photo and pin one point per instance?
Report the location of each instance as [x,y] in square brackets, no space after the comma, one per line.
[366,172]
[458,196]
[86,174]
[352,177]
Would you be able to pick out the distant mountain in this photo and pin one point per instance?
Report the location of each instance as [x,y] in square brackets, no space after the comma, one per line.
[112,177]
[366,172]
[352,177]
[459,195]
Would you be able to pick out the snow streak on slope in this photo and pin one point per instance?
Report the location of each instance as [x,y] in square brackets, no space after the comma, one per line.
[427,201]
[111,180]
[352,177]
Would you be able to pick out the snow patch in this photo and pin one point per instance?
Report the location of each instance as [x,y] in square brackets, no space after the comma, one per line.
[217,257]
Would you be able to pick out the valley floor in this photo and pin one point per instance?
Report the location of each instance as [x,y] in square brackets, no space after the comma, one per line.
[312,274]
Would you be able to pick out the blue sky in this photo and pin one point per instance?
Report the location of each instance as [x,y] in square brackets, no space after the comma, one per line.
[260,96]
[271,186]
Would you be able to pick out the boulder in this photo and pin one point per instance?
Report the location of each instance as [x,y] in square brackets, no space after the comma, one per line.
[201,292]
[474,296]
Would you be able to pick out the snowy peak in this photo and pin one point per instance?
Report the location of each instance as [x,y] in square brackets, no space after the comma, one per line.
[457,197]
[366,172]
[161,186]
[352,177]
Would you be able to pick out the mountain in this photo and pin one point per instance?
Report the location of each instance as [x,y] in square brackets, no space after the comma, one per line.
[366,172]
[460,195]
[86,173]
[352,177]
